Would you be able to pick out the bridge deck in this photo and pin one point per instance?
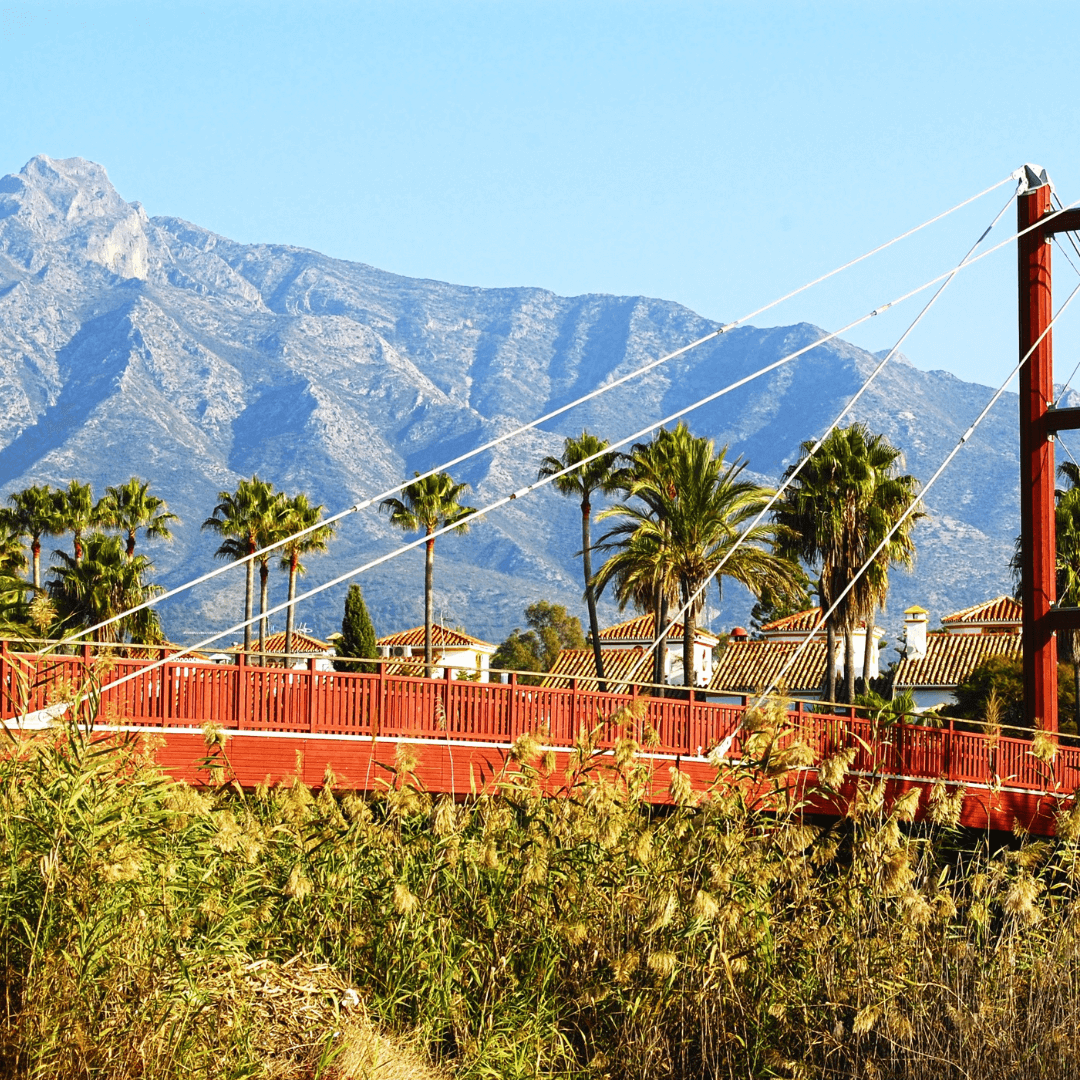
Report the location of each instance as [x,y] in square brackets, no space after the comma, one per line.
[280,721]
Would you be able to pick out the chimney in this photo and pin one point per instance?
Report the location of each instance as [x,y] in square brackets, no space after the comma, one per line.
[915,620]
[738,633]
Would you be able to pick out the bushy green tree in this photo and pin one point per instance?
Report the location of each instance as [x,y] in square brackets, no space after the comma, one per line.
[776,602]
[550,631]
[1004,676]
[357,634]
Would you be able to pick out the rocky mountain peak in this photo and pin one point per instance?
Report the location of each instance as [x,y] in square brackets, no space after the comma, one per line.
[71,202]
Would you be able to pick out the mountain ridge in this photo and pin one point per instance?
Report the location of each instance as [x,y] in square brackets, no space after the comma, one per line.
[152,346]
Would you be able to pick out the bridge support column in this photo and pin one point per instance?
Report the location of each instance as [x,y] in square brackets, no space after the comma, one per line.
[1037,532]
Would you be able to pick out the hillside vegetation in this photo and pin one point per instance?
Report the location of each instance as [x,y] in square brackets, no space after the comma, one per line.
[151,930]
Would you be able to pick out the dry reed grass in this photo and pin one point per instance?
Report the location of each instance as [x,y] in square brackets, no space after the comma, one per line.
[150,930]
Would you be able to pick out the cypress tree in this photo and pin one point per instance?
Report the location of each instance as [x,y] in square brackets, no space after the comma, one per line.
[357,634]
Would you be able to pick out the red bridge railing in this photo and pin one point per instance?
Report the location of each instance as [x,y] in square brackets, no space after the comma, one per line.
[188,694]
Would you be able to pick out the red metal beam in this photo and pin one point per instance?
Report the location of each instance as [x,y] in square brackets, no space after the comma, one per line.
[1066,221]
[1062,419]
[1038,539]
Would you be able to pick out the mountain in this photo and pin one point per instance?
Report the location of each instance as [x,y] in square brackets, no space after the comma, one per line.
[151,346]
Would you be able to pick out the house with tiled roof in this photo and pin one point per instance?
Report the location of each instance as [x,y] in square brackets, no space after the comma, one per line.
[576,669]
[933,663]
[640,632]
[747,666]
[304,648]
[465,655]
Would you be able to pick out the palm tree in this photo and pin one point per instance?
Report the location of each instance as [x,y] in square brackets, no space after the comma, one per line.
[271,526]
[300,515]
[597,475]
[428,505]
[12,551]
[130,507]
[240,518]
[690,519]
[33,514]
[101,585]
[833,516]
[637,570]
[76,514]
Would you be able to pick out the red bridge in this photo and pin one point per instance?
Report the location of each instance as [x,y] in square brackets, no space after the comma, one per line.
[282,723]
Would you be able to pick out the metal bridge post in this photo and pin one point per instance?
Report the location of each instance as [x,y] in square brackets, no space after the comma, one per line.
[1037,534]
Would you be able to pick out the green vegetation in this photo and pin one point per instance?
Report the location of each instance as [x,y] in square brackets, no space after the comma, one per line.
[428,505]
[841,505]
[244,518]
[102,584]
[151,930]
[550,631]
[598,475]
[1002,678]
[300,515]
[687,510]
[357,634]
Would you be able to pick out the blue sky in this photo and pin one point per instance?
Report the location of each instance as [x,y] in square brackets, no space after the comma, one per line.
[713,154]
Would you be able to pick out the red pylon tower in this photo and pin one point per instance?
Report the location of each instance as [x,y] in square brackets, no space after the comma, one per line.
[1039,422]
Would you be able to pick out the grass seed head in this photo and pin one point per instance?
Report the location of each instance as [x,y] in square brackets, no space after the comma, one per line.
[833,769]
[405,901]
[299,886]
[624,966]
[906,806]
[705,906]
[526,749]
[662,963]
[1021,897]
[1044,747]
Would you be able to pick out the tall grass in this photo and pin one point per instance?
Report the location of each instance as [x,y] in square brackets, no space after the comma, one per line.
[149,929]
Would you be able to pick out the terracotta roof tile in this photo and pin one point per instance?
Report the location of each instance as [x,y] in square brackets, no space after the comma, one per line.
[441,637]
[275,643]
[951,658]
[643,628]
[800,622]
[746,667]
[1002,609]
[621,667]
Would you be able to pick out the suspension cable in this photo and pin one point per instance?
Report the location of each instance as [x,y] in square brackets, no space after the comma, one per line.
[680,614]
[777,679]
[521,429]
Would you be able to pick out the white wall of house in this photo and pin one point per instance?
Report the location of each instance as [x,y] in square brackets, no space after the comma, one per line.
[464,659]
[932,699]
[673,664]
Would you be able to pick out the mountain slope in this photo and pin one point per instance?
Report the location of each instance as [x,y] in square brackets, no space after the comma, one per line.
[152,346]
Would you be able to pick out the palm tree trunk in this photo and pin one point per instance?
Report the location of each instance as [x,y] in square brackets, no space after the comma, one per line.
[830,661]
[590,598]
[868,651]
[294,559]
[849,665]
[249,597]
[660,657]
[131,546]
[35,549]
[689,633]
[1076,674]
[429,605]
[264,590]
[78,549]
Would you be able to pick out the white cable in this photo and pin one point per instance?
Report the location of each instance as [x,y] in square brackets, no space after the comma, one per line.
[598,391]
[536,485]
[677,618]
[915,502]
